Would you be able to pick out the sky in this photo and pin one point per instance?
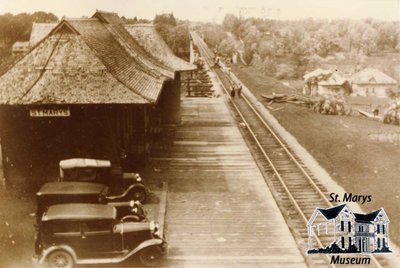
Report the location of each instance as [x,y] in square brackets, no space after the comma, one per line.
[214,10]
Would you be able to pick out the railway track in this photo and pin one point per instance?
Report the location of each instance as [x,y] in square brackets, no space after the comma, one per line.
[295,189]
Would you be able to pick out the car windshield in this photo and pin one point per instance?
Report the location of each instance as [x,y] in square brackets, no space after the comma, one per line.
[80,174]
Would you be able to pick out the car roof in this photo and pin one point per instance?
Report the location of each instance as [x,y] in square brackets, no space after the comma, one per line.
[83,163]
[71,187]
[80,212]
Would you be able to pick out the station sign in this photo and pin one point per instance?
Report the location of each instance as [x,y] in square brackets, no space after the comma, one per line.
[50,112]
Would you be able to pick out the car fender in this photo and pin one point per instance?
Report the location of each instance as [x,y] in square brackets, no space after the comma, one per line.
[132,186]
[51,249]
[127,190]
[145,244]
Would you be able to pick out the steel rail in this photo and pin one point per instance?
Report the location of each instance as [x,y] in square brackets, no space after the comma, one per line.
[208,55]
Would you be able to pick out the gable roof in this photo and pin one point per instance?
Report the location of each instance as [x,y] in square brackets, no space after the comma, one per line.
[372,76]
[85,61]
[331,213]
[366,217]
[114,25]
[370,217]
[316,73]
[40,31]
[148,37]
[335,79]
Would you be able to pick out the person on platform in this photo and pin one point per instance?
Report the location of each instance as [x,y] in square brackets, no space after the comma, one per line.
[233,93]
[239,89]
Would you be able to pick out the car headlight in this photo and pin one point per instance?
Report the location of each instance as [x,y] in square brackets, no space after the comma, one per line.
[138,179]
[152,226]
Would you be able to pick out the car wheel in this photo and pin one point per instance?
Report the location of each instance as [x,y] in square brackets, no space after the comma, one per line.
[60,259]
[138,193]
[150,256]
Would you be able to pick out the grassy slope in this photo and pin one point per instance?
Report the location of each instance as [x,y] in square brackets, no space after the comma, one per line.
[342,146]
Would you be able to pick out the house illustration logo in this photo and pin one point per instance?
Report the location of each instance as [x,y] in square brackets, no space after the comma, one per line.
[338,230]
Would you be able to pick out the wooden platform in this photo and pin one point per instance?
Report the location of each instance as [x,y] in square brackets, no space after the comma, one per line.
[220,212]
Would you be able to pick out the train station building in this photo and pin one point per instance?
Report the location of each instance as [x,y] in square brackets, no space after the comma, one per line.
[92,87]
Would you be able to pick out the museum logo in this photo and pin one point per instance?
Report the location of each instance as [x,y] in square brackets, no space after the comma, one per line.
[339,230]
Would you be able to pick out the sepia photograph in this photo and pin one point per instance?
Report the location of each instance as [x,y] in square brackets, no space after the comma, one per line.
[212,133]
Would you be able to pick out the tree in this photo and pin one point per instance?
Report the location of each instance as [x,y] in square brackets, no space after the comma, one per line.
[213,34]
[266,49]
[176,36]
[231,23]
[226,47]
[369,40]
[167,18]
[44,17]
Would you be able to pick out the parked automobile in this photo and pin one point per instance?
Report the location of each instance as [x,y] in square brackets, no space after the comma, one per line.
[52,193]
[128,186]
[70,234]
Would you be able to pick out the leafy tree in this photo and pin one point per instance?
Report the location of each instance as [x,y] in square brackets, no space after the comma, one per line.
[18,27]
[44,17]
[231,23]
[214,34]
[176,36]
[226,47]
[167,18]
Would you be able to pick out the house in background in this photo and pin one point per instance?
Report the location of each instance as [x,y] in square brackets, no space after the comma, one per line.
[39,31]
[325,82]
[372,82]
[20,48]
[334,84]
[338,224]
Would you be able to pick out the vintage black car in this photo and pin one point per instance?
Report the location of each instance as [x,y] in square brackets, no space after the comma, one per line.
[70,234]
[128,186]
[52,193]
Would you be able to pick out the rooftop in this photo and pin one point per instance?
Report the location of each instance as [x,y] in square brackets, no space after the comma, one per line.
[147,36]
[335,79]
[372,76]
[331,213]
[67,188]
[79,212]
[83,162]
[40,31]
[86,61]
[367,218]
[316,73]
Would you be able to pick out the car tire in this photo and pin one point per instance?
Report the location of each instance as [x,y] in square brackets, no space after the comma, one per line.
[60,259]
[150,256]
[138,193]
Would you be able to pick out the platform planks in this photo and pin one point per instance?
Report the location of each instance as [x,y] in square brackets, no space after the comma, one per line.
[220,212]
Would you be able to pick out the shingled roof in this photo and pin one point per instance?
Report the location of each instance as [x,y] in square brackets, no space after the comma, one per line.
[316,73]
[85,61]
[114,25]
[372,76]
[40,31]
[148,37]
[335,79]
